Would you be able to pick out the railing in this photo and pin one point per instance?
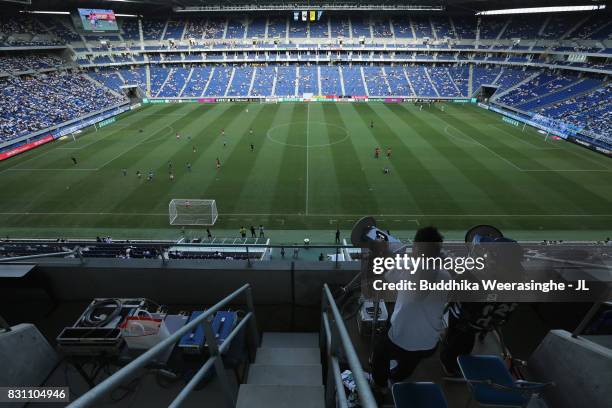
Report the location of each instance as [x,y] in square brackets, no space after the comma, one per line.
[588,318]
[127,372]
[337,339]
[76,249]
[26,257]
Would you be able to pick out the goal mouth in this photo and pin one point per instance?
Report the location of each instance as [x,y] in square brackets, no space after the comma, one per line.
[192,212]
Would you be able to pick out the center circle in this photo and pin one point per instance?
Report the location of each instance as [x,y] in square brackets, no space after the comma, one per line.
[312,131]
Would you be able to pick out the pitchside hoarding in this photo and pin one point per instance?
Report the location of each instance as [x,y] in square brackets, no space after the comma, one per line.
[25,147]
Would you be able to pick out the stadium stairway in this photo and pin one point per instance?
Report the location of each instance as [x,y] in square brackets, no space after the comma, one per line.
[101,85]
[287,373]
[498,95]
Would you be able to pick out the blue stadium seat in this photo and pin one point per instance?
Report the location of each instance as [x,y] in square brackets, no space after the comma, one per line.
[491,383]
[418,395]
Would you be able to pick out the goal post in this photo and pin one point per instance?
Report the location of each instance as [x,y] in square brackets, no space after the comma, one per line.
[186,211]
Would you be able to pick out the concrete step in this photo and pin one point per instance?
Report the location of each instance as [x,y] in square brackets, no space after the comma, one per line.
[287,356]
[268,374]
[290,340]
[280,396]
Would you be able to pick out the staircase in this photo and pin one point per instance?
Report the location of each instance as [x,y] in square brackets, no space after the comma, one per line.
[513,87]
[287,373]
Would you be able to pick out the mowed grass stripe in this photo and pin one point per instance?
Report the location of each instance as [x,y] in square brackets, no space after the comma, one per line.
[108,145]
[573,192]
[209,146]
[36,155]
[532,136]
[440,155]
[105,188]
[76,188]
[320,190]
[355,191]
[290,188]
[194,183]
[432,196]
[486,172]
[328,134]
[273,190]
[392,196]
[506,181]
[166,148]
[154,196]
[483,169]
[257,192]
[170,155]
[526,155]
[156,154]
[240,160]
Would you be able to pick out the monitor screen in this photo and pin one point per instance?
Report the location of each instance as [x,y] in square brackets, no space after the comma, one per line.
[98,20]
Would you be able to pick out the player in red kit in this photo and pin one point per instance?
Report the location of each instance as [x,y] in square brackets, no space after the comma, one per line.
[377,153]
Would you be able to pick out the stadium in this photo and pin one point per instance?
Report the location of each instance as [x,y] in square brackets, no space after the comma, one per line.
[177,170]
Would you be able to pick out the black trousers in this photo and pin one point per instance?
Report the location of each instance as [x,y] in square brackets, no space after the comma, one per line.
[385,351]
[459,340]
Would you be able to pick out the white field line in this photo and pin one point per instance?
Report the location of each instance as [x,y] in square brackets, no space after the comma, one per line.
[99,139]
[529,170]
[323,215]
[569,170]
[16,166]
[146,140]
[485,147]
[126,124]
[535,147]
[65,169]
[307,136]
[531,145]
[133,147]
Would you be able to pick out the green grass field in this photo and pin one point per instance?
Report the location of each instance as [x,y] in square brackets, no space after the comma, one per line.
[312,169]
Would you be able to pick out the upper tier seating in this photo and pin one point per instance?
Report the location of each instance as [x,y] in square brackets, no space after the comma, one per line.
[28,62]
[55,30]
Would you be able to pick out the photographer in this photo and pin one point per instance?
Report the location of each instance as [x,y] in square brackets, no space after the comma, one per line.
[417,319]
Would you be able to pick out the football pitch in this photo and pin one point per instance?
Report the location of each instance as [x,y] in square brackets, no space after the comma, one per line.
[312,168]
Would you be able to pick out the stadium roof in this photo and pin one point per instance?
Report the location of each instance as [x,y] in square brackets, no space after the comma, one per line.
[146,6]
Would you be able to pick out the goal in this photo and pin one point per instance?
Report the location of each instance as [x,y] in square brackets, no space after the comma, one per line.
[192,212]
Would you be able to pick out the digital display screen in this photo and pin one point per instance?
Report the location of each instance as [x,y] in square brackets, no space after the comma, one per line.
[98,20]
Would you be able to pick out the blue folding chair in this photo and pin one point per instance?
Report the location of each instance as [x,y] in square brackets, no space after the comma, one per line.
[491,383]
[418,395]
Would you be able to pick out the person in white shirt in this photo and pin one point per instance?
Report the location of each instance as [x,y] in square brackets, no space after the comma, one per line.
[417,320]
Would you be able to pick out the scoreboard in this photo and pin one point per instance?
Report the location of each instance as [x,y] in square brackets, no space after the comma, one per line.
[98,20]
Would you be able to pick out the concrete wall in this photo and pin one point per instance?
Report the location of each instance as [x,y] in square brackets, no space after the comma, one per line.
[581,369]
[287,295]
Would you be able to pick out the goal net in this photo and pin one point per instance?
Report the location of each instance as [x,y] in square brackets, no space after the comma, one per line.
[192,212]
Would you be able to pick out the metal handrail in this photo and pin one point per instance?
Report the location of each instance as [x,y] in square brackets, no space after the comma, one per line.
[336,330]
[26,257]
[586,320]
[125,373]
